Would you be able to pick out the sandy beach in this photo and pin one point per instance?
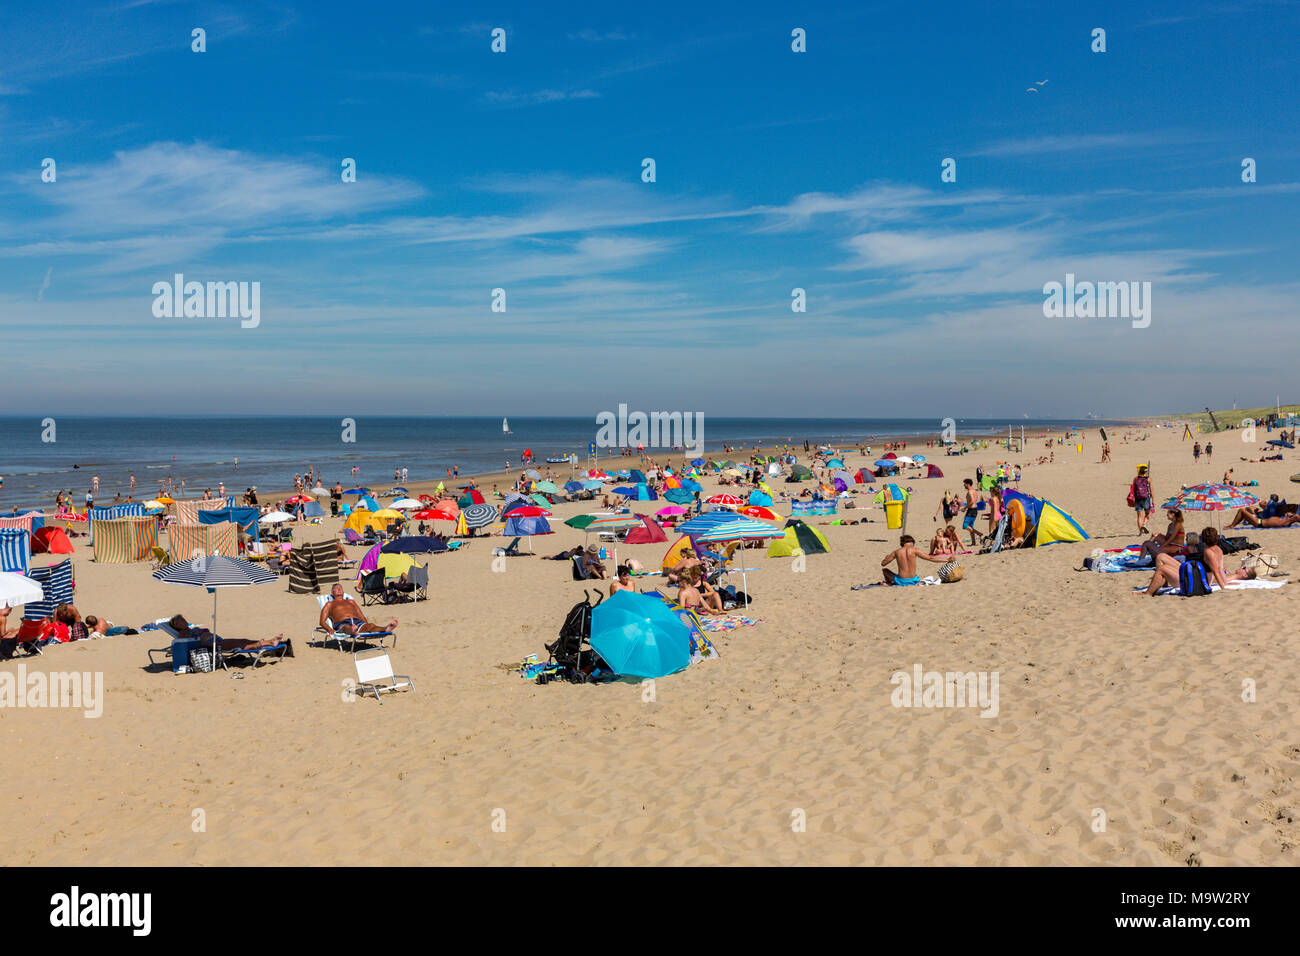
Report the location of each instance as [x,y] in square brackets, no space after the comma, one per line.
[1112,706]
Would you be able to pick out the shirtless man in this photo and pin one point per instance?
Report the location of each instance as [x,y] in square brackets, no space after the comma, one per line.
[906,554]
[344,615]
[1167,566]
[183,628]
[972,511]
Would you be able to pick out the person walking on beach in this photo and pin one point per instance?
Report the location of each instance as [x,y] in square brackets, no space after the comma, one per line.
[1209,451]
[1196,453]
[1105,452]
[972,512]
[1140,495]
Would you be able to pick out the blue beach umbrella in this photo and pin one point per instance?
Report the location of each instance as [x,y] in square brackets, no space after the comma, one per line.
[639,636]
[697,462]
[679,496]
[592,485]
[573,486]
[691,486]
[757,497]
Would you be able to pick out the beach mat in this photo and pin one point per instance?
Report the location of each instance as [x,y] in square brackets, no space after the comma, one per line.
[1255,585]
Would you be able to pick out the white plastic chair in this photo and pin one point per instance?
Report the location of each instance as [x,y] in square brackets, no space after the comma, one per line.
[376,668]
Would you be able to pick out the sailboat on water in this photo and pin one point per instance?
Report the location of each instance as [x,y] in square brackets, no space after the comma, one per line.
[505,426]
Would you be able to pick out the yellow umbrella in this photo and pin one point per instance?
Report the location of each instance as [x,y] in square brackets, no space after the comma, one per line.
[165,500]
[388,514]
[395,565]
[461,526]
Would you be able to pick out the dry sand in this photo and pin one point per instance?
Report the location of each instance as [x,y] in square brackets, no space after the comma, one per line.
[1108,701]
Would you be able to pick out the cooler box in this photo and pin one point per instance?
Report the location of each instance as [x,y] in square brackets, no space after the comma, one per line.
[181,648]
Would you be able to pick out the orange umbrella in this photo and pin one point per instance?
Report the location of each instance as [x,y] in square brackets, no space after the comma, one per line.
[758,511]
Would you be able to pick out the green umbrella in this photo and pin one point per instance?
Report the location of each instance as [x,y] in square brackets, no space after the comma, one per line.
[580,521]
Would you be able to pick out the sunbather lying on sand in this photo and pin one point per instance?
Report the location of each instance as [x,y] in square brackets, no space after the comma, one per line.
[1167,566]
[1250,515]
[906,554]
[343,614]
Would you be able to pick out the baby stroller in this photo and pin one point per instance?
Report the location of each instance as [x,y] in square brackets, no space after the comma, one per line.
[571,650]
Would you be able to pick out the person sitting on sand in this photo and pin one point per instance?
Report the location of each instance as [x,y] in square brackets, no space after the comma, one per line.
[590,564]
[906,554]
[695,593]
[1250,515]
[343,614]
[623,582]
[1211,555]
[183,628]
[1171,542]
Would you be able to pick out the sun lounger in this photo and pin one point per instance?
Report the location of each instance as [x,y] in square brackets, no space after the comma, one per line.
[375,672]
[328,633]
[257,653]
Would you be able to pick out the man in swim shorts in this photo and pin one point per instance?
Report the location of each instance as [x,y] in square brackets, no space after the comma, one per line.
[344,615]
[906,554]
[972,511]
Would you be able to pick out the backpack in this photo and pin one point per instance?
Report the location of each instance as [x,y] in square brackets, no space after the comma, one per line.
[1192,580]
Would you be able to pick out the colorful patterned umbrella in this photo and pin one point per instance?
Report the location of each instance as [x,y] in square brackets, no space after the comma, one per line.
[727,501]
[1210,496]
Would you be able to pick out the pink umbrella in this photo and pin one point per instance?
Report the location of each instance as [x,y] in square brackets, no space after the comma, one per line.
[673,510]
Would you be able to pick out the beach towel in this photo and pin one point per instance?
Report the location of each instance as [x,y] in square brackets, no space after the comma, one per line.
[1255,585]
[57,585]
[729,622]
[926,581]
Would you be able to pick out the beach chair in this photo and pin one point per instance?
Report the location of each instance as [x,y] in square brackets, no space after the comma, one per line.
[275,564]
[351,537]
[418,577]
[328,633]
[375,672]
[510,551]
[372,588]
[257,653]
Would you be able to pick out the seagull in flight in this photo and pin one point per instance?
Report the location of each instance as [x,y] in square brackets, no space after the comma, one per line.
[1037,84]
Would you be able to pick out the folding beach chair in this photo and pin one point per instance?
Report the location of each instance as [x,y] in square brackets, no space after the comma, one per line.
[257,653]
[351,537]
[375,672]
[372,588]
[328,634]
[418,577]
[510,551]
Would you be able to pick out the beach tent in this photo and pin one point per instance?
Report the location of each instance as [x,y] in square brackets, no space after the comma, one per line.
[367,502]
[1044,522]
[933,471]
[310,509]
[863,477]
[799,539]
[474,497]
[15,550]
[799,473]
[774,469]
[57,586]
[395,565]
[243,518]
[124,540]
[50,540]
[760,499]
[674,552]
[361,517]
[191,540]
[525,526]
[649,533]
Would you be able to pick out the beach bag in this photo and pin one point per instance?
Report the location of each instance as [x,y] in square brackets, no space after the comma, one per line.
[201,661]
[1192,580]
[1132,496]
[951,573]
[1262,563]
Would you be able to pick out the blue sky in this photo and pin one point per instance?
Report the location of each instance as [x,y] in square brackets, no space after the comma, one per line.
[522,170]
